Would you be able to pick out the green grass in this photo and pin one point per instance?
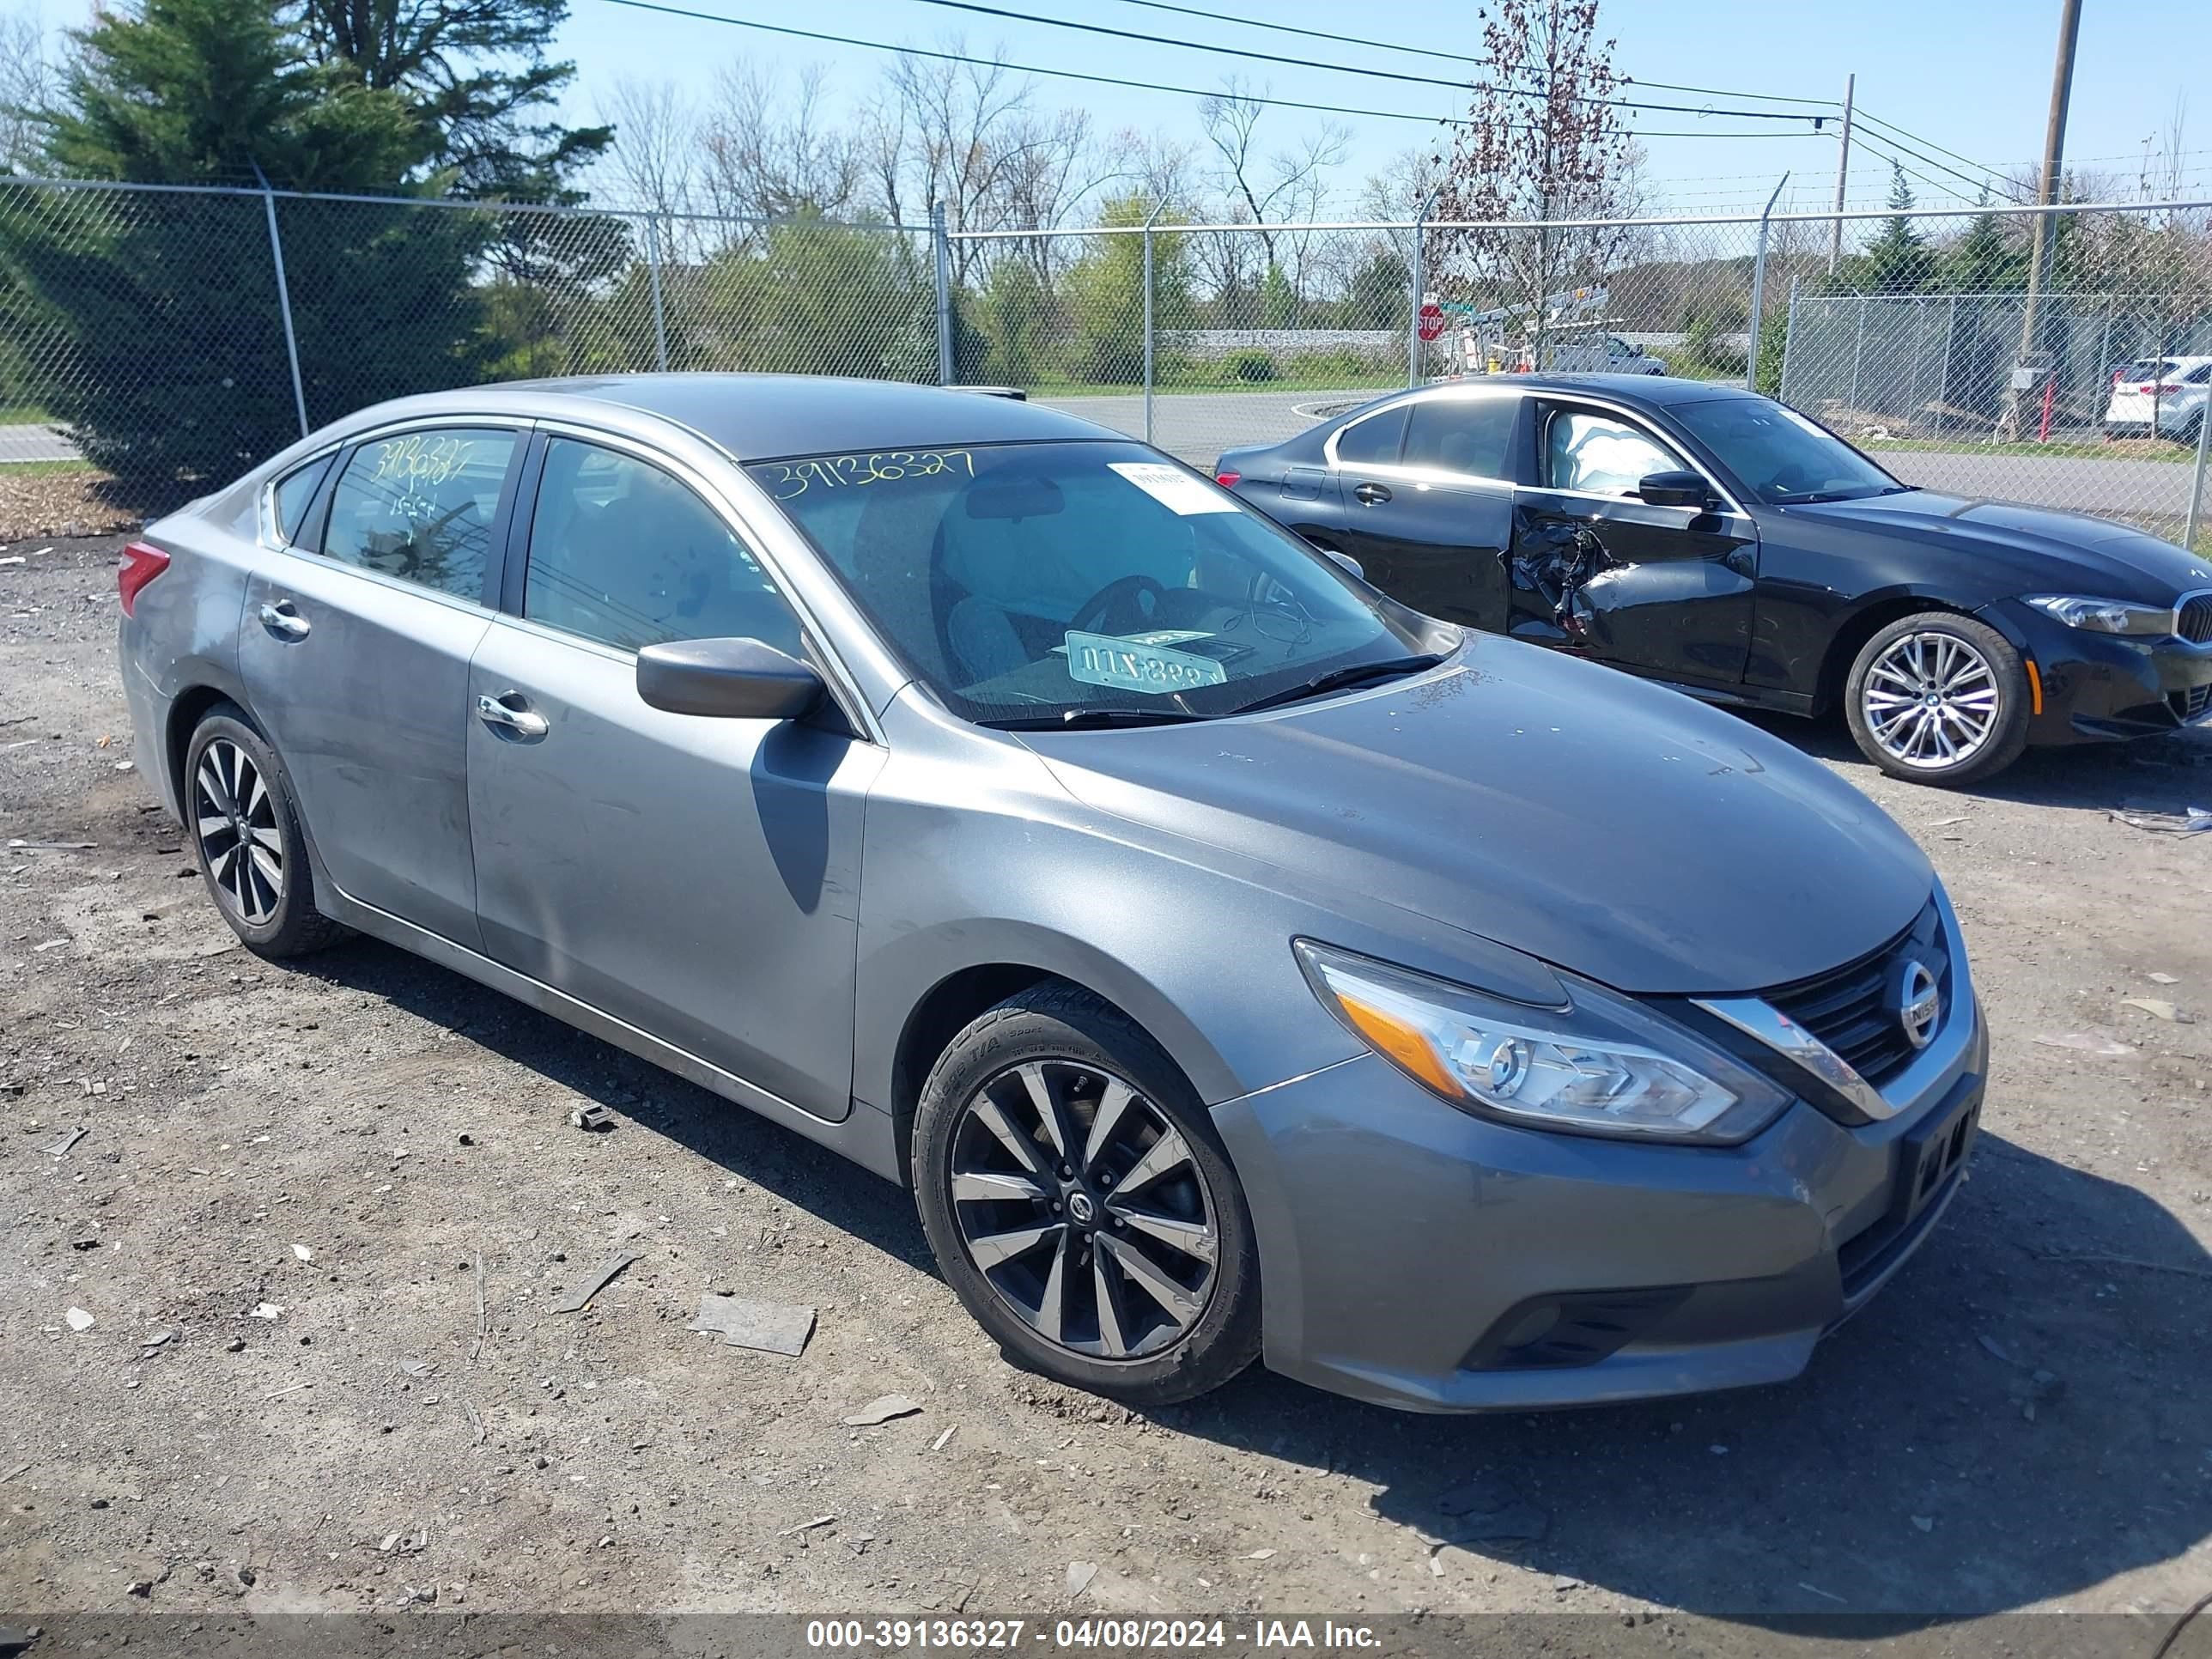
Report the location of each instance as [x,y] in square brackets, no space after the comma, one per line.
[2119,450]
[1047,390]
[43,469]
[24,415]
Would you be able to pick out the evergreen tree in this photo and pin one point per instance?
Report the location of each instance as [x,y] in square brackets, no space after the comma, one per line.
[452,63]
[173,359]
[1898,261]
[1985,260]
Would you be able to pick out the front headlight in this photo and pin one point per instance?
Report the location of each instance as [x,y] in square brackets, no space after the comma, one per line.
[1599,1065]
[2105,615]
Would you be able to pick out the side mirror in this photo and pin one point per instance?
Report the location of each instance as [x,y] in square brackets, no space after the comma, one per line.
[1352,567]
[1675,489]
[731,679]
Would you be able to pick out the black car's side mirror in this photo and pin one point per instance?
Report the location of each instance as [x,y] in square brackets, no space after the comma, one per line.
[731,679]
[1674,489]
[1352,567]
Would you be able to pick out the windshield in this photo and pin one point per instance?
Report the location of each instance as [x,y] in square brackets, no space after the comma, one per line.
[1778,455]
[1028,583]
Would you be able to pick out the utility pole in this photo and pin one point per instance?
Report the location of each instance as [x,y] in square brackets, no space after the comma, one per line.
[2038,257]
[1843,177]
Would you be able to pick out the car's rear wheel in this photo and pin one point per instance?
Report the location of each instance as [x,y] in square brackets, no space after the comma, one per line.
[1081,1205]
[246,834]
[1939,698]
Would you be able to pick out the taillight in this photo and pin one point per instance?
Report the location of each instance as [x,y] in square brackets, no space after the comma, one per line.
[1228,480]
[2164,387]
[141,564]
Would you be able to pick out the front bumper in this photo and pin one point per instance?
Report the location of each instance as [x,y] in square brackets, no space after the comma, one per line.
[2099,687]
[1415,1256]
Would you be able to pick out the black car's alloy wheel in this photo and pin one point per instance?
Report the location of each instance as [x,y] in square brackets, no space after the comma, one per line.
[1939,698]
[1080,1204]
[245,832]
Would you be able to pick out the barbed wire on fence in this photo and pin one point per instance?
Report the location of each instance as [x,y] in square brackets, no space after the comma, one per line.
[159,330]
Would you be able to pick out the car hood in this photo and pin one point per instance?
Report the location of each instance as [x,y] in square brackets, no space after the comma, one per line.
[2052,551]
[1615,829]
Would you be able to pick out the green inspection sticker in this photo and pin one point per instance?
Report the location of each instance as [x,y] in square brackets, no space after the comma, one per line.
[1135,666]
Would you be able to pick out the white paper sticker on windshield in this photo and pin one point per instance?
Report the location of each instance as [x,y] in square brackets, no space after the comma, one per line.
[1173,488]
[1133,665]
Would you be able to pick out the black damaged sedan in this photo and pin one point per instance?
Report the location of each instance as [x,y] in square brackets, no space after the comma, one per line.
[1723,542]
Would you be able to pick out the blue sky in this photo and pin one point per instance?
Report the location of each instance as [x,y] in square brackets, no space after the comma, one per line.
[1973,78]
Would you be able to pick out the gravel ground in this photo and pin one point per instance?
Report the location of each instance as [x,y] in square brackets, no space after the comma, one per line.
[322,1215]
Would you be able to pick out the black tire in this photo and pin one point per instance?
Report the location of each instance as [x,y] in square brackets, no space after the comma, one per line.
[273,917]
[2006,733]
[1075,1034]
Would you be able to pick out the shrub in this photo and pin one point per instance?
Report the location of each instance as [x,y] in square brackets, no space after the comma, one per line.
[1249,364]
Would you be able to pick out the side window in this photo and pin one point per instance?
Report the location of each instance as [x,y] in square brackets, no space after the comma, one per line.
[1598,455]
[1467,435]
[1373,442]
[420,506]
[295,493]
[2200,375]
[622,553]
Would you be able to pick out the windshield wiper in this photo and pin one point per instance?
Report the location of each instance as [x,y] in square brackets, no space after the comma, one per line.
[1078,719]
[1338,678]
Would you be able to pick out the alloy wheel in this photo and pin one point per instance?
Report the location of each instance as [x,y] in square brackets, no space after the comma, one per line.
[1930,701]
[234,818]
[1079,1202]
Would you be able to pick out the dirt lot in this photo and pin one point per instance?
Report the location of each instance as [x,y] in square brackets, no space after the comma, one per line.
[2021,1422]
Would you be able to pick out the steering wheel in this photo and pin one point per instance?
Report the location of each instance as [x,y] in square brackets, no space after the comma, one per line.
[1116,607]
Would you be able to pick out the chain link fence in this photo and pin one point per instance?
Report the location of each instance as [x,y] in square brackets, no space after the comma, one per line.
[166,331]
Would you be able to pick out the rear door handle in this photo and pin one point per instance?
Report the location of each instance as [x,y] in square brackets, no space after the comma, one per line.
[525,724]
[282,620]
[1368,494]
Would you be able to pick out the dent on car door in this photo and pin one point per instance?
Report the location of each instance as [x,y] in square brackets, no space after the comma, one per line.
[354,648]
[695,878]
[1665,590]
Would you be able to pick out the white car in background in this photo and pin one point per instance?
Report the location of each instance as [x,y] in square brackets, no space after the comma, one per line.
[2160,397]
[1601,354]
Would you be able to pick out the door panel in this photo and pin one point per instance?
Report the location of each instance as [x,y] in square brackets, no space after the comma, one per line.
[1432,526]
[358,666]
[698,878]
[1664,591]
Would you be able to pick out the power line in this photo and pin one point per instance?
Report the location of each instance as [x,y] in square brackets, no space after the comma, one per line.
[1117,80]
[1400,75]
[1981,184]
[1903,133]
[1406,47]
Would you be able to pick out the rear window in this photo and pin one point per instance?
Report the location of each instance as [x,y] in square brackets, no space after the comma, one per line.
[2145,368]
[1373,442]
[295,494]
[1466,435]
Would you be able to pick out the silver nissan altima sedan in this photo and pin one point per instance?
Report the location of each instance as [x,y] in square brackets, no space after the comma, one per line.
[1235,963]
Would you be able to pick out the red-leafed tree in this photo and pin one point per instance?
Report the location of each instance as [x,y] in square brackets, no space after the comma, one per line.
[1543,141]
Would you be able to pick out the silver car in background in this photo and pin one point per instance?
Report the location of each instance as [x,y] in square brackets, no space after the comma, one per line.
[1235,963]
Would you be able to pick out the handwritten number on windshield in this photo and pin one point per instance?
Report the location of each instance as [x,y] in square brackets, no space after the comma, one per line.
[795,478]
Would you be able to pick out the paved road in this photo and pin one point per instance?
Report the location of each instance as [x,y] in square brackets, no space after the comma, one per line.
[1199,426]
[34,443]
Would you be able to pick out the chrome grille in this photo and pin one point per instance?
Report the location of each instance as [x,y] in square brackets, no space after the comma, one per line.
[1848,1008]
[2193,621]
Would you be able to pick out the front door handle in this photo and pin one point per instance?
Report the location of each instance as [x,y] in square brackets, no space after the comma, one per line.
[282,620]
[1370,494]
[525,724]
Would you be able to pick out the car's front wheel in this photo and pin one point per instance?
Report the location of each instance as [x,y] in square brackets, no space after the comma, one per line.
[1939,698]
[1081,1205]
[245,833]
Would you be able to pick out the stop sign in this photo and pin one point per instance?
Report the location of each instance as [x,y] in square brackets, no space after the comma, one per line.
[1431,320]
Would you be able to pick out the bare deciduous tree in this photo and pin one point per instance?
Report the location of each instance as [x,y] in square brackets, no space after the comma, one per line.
[1543,142]
[653,159]
[769,157]
[27,84]
[1263,186]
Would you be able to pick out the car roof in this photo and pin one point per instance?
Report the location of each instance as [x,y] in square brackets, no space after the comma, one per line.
[763,417]
[1635,388]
